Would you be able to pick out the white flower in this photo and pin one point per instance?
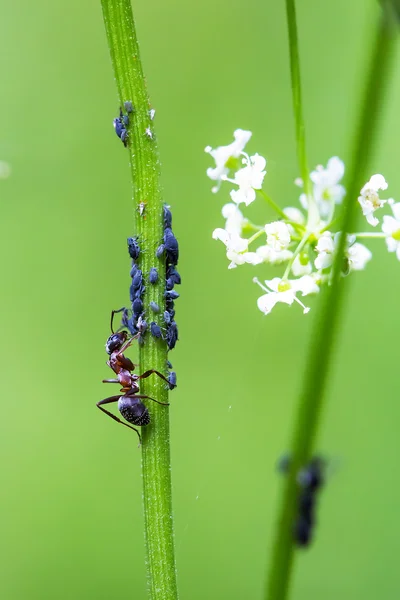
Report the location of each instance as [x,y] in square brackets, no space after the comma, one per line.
[301,265]
[249,179]
[369,198]
[325,248]
[326,189]
[295,215]
[278,235]
[268,255]
[235,220]
[391,226]
[279,290]
[236,248]
[222,154]
[358,256]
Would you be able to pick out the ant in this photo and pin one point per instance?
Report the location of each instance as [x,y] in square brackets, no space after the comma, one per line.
[129,402]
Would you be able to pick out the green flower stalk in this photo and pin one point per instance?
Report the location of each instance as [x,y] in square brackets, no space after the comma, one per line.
[139,137]
[311,398]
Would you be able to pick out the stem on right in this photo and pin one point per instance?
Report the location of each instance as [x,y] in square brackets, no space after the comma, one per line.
[320,353]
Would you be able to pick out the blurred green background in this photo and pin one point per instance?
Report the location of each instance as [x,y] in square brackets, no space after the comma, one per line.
[70,504]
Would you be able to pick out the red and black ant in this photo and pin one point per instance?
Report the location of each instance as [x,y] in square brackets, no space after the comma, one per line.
[129,402]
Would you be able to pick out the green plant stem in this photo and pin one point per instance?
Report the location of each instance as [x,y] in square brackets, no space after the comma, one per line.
[148,217]
[320,353]
[313,214]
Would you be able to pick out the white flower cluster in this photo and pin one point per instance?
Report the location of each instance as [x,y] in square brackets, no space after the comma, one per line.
[305,242]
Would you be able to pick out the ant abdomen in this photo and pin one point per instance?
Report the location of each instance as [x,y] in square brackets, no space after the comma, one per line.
[133,410]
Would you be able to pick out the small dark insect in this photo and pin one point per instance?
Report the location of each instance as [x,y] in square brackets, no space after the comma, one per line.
[171,294]
[172,380]
[133,270]
[155,330]
[133,247]
[310,480]
[120,124]
[137,306]
[133,293]
[130,403]
[167,317]
[169,365]
[153,275]
[129,322]
[171,246]
[173,274]
[169,284]
[129,106]
[137,279]
[172,335]
[160,251]
[154,307]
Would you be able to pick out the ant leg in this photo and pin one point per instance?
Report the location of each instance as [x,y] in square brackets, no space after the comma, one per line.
[149,398]
[127,344]
[150,372]
[115,399]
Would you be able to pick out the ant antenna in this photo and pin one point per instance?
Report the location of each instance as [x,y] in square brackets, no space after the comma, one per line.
[114,312]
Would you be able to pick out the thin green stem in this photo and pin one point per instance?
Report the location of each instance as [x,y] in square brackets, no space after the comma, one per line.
[313,213]
[256,235]
[279,211]
[295,253]
[272,204]
[371,234]
[320,355]
[148,217]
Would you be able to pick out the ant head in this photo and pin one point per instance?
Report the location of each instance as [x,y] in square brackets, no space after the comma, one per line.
[115,341]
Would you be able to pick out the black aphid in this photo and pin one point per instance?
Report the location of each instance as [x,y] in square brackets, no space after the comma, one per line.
[172,335]
[167,317]
[155,330]
[133,247]
[169,284]
[120,125]
[154,307]
[169,365]
[173,274]
[137,306]
[160,251]
[137,279]
[153,275]
[310,480]
[171,294]
[133,270]
[172,380]
[171,246]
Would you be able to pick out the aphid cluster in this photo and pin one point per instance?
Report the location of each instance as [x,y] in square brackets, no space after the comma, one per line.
[310,480]
[134,319]
[122,122]
[130,403]
[170,249]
